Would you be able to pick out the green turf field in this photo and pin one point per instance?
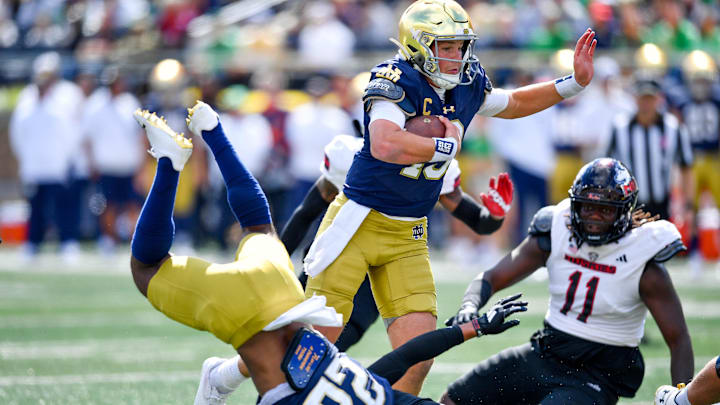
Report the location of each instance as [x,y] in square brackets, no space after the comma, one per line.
[82,334]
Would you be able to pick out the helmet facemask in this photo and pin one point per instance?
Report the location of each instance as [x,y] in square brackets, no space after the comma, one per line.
[430,65]
[423,26]
[596,217]
[602,199]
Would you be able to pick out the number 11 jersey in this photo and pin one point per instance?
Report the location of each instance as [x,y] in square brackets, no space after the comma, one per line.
[594,290]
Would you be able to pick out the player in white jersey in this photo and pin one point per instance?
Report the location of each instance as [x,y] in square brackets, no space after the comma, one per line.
[605,265]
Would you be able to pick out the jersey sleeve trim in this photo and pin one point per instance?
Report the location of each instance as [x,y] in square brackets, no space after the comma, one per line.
[669,251]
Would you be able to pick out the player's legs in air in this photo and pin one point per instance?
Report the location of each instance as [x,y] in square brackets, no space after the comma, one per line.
[704,389]
[233,301]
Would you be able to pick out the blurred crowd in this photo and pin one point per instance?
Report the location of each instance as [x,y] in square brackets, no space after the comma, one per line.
[101,27]
[81,157]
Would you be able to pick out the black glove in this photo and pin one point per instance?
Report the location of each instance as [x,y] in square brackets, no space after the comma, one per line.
[494,321]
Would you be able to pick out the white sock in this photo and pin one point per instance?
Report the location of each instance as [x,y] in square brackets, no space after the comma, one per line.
[226,377]
[681,398]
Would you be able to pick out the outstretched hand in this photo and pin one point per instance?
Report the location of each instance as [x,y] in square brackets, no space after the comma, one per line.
[499,196]
[495,321]
[583,60]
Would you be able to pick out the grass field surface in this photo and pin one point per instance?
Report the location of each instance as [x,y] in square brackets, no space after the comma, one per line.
[82,334]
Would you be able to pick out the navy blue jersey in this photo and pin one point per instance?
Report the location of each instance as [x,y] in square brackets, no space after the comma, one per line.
[338,379]
[408,190]
[703,124]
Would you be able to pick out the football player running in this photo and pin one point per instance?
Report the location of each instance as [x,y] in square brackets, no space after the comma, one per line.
[483,217]
[255,303]
[376,226]
[704,389]
[605,264]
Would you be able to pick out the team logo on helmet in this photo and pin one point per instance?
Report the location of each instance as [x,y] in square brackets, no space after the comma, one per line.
[423,25]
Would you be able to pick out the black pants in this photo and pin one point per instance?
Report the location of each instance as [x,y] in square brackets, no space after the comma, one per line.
[554,368]
[519,375]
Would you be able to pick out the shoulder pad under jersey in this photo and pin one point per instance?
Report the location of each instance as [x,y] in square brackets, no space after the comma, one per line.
[669,251]
[541,225]
[662,238]
[383,89]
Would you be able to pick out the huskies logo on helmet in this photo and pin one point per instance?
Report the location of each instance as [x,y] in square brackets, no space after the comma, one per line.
[605,182]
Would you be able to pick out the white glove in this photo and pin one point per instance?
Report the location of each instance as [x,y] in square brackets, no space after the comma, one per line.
[201,117]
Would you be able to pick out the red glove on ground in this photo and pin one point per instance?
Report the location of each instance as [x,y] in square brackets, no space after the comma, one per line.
[499,196]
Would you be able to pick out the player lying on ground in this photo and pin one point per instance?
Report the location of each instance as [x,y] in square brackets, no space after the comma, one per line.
[255,303]
[704,389]
[377,225]
[605,265]
[483,218]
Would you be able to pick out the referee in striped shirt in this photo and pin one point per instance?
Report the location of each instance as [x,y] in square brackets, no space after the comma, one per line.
[650,142]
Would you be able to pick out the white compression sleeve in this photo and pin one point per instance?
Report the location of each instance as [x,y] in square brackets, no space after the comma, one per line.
[387,110]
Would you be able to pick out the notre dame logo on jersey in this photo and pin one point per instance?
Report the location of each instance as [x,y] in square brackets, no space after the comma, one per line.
[418,231]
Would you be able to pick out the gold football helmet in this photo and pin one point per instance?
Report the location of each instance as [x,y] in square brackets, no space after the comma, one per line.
[699,71]
[699,65]
[422,25]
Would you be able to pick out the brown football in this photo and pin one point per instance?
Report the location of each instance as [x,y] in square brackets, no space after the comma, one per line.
[428,126]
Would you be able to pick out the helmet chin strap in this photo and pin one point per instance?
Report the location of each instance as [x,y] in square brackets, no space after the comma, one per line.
[446,81]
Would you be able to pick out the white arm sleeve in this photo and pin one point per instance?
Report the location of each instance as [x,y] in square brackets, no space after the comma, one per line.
[387,110]
[495,103]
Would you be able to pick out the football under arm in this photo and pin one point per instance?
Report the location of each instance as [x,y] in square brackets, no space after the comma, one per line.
[316,201]
[658,294]
[463,207]
[393,365]
[392,144]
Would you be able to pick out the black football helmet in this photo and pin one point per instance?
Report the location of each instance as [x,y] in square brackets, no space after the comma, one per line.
[603,182]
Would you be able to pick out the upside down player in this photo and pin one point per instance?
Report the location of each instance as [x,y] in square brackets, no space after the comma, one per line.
[376,226]
[605,265]
[255,303]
